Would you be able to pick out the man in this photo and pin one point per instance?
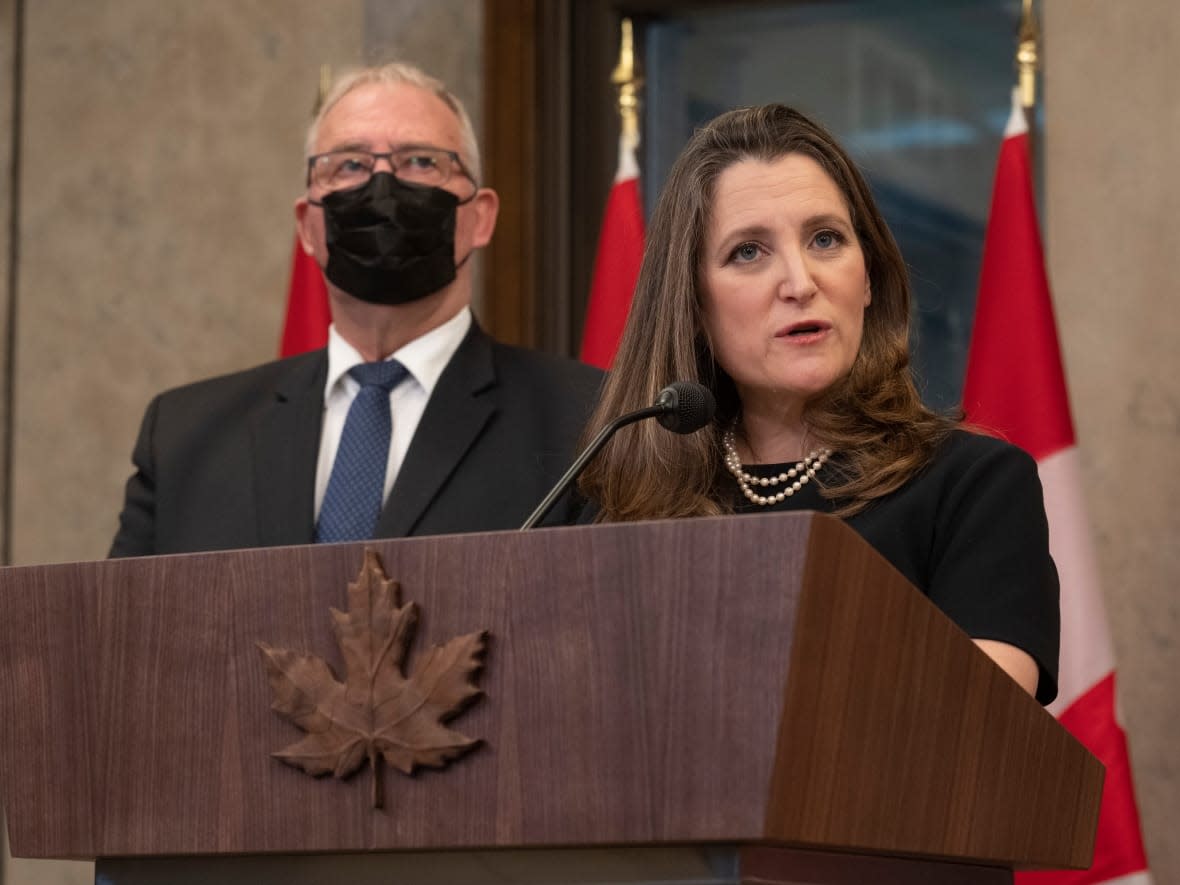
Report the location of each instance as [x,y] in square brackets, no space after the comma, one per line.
[464,434]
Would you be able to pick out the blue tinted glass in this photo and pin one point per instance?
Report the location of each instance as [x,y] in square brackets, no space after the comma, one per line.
[918,92]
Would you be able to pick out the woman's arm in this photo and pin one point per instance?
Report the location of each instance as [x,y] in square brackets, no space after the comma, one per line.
[993,574]
[1016,662]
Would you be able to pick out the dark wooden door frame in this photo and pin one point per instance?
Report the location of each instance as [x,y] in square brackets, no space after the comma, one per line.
[526,135]
[551,135]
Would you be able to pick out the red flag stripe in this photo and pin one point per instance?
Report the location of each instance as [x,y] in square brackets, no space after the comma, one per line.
[306,324]
[1014,348]
[616,264]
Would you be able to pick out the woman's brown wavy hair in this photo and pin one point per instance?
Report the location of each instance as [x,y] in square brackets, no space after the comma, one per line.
[873,417]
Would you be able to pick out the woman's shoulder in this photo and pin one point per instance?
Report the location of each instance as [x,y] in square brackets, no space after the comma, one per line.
[965,447]
[974,464]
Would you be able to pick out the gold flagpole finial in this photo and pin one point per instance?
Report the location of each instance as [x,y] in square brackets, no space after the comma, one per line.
[325,85]
[627,81]
[1027,55]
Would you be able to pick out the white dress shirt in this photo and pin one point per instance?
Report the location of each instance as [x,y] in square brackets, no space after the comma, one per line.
[424,359]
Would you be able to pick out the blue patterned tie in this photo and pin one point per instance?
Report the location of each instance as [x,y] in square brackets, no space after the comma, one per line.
[356,487]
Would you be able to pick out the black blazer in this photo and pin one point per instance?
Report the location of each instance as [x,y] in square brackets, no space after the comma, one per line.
[230,462]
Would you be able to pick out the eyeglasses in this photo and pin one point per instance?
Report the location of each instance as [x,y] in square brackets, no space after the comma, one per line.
[348,168]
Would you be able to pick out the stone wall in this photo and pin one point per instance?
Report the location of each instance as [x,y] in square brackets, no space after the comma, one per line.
[1112,137]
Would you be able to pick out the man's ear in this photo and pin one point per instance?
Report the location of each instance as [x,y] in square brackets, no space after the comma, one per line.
[302,208]
[486,204]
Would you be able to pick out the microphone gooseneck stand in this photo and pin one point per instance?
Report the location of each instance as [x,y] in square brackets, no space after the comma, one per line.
[681,407]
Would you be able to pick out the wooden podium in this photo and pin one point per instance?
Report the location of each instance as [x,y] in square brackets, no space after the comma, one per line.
[738,699]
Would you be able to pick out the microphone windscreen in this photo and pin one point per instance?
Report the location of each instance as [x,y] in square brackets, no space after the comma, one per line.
[688,406]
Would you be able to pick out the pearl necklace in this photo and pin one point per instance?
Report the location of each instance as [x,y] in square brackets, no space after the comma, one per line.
[805,470]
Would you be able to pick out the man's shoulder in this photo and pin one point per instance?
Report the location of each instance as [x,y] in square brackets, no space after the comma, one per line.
[543,368]
[275,378]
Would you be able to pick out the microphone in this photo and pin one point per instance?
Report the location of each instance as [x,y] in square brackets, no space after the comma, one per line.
[687,406]
[682,407]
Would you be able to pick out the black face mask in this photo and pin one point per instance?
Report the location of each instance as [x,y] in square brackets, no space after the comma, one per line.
[390,242]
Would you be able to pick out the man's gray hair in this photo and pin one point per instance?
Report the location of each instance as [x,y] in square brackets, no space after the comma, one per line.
[394,73]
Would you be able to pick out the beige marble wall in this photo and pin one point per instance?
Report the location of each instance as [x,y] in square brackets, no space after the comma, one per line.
[1112,100]
[7,98]
[162,152]
[7,103]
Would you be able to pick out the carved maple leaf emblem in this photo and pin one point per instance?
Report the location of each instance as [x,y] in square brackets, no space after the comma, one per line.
[377,712]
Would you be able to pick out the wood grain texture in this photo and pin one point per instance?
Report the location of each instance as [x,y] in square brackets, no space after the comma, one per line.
[897,730]
[690,681]
[510,305]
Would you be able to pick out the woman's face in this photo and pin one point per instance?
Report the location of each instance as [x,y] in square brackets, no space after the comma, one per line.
[783,281]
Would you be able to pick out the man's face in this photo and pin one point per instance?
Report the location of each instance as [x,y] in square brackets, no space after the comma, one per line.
[383,117]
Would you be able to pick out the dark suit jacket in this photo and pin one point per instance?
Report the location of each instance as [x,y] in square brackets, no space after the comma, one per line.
[230,462]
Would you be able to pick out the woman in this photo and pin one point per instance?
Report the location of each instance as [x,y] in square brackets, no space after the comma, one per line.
[770,277]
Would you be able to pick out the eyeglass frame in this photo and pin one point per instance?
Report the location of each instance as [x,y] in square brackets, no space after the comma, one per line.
[388,157]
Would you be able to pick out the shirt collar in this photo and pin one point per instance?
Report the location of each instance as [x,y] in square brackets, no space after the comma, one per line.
[424,358]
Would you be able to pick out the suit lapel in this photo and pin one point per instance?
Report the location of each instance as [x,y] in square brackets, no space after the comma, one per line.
[461,404]
[286,442]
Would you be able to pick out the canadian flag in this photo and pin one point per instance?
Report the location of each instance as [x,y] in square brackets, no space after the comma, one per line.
[306,324]
[1016,387]
[616,264]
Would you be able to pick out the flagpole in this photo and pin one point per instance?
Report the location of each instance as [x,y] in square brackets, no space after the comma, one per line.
[627,82]
[322,92]
[1027,62]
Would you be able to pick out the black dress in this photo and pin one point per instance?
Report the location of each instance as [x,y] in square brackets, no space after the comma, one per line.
[970,532]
